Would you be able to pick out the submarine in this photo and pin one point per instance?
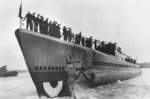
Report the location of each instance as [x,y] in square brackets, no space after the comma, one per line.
[54,63]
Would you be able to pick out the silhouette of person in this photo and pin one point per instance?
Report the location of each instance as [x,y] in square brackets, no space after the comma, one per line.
[83,41]
[58,31]
[41,24]
[65,33]
[28,18]
[36,23]
[69,34]
[79,37]
[46,26]
[50,28]
[89,42]
[53,29]
[95,43]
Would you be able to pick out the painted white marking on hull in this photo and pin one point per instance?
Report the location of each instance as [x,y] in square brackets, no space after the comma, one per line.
[52,92]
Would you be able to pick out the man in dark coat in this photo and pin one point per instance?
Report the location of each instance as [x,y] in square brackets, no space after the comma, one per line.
[28,18]
[50,28]
[36,23]
[46,26]
[58,31]
[69,34]
[65,33]
[95,43]
[83,41]
[41,24]
[79,37]
[89,42]
[53,29]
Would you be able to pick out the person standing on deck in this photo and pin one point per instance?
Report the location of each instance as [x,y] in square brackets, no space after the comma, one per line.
[95,43]
[58,31]
[79,37]
[46,26]
[69,34]
[89,42]
[28,18]
[83,40]
[41,24]
[53,28]
[36,23]
[50,28]
[65,33]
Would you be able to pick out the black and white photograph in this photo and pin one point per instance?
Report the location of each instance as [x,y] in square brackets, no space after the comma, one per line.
[74,49]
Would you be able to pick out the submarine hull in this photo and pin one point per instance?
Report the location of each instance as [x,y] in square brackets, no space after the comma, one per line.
[51,60]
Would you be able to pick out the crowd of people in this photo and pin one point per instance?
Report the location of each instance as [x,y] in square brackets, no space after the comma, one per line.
[38,23]
[130,60]
[41,25]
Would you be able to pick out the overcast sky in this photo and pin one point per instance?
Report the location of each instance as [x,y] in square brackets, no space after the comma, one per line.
[125,21]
